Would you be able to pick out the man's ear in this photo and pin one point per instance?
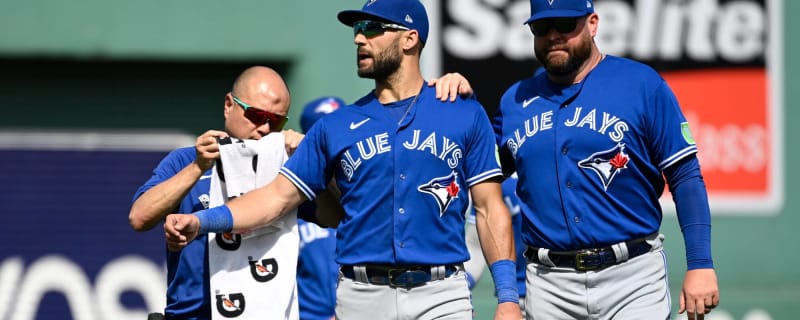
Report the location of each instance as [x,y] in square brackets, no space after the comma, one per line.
[410,39]
[593,20]
[228,105]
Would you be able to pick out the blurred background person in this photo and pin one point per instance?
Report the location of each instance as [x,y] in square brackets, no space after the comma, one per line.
[317,272]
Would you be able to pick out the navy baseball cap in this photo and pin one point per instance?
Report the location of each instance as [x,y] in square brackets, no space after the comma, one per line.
[408,13]
[542,9]
[314,110]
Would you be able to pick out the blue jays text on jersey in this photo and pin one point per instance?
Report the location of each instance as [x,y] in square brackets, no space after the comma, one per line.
[404,185]
[187,270]
[445,150]
[602,147]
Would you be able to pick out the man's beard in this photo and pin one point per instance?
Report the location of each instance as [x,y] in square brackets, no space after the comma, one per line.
[384,64]
[575,58]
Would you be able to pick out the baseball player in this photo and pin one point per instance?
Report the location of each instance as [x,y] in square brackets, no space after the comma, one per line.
[403,173]
[592,137]
[317,272]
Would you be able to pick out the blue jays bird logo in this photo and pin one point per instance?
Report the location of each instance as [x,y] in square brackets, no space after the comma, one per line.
[607,164]
[327,106]
[443,189]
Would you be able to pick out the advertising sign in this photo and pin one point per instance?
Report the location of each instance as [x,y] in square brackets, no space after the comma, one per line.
[69,252]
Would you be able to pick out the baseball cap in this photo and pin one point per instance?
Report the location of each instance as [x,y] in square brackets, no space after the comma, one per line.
[541,9]
[317,108]
[408,13]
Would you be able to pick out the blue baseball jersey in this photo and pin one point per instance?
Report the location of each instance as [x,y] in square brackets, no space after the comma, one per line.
[187,270]
[509,187]
[404,185]
[601,144]
[317,273]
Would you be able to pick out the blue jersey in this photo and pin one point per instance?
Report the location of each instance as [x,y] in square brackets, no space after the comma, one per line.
[602,144]
[317,273]
[404,185]
[512,201]
[187,270]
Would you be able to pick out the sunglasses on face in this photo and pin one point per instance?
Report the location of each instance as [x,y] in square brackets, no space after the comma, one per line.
[542,27]
[259,117]
[373,28]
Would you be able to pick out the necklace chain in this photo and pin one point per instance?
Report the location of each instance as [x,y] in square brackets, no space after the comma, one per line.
[409,106]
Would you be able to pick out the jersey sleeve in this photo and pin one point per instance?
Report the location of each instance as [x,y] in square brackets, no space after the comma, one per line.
[504,155]
[307,166]
[482,161]
[669,134]
[169,166]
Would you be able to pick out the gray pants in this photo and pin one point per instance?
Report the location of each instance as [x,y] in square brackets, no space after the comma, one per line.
[448,298]
[633,289]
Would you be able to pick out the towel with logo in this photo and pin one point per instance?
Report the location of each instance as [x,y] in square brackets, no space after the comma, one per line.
[253,273]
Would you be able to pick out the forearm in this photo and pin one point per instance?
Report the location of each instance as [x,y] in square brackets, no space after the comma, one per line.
[493,222]
[691,203]
[476,263]
[265,205]
[495,232]
[497,243]
[153,205]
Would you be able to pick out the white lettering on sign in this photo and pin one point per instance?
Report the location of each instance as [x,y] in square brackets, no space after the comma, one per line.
[702,30]
[21,290]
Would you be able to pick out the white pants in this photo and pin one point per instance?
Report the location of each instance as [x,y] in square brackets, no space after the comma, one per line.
[448,298]
[633,289]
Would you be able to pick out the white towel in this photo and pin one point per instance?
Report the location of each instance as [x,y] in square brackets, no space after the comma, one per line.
[253,274]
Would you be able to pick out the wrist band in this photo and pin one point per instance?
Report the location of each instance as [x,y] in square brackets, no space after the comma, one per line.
[216,219]
[504,273]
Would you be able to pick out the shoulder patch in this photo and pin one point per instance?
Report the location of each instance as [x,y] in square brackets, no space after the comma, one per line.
[687,134]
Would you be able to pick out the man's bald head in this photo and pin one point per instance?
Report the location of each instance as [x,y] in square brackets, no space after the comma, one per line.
[258,87]
[264,81]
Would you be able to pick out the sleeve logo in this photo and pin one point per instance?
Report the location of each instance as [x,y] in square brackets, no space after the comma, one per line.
[687,134]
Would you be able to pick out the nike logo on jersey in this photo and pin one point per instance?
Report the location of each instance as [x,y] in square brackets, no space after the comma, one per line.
[354,125]
[607,164]
[527,102]
[205,177]
[443,189]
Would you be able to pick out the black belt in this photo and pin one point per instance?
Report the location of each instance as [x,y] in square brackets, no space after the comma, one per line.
[589,259]
[399,276]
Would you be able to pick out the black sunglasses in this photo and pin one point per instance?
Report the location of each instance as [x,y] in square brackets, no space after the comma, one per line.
[259,117]
[371,28]
[542,27]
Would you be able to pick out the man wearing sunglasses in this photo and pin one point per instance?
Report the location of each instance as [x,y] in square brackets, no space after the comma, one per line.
[256,106]
[404,162]
[592,137]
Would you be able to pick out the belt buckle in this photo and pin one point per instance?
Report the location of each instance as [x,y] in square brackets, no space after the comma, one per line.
[407,278]
[580,265]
